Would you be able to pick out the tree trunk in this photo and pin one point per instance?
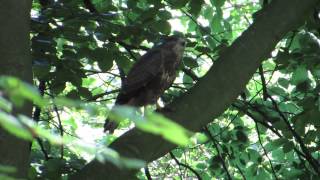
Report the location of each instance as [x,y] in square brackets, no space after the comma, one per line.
[225,80]
[15,61]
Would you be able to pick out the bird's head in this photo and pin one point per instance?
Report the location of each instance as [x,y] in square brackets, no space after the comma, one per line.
[175,43]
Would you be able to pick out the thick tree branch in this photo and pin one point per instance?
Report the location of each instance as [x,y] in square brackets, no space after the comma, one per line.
[225,80]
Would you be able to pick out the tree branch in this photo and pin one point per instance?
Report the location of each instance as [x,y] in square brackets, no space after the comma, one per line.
[218,152]
[265,152]
[185,165]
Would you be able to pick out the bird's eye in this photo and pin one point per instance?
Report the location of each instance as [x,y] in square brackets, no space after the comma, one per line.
[183,43]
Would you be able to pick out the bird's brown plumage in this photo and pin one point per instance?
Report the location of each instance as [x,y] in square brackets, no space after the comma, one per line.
[153,73]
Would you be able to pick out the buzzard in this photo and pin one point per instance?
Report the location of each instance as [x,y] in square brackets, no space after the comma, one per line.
[152,74]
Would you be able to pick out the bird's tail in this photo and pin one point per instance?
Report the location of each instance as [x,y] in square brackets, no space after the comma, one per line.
[110,126]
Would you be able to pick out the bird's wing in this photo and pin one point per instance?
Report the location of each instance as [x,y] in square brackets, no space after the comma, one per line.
[144,70]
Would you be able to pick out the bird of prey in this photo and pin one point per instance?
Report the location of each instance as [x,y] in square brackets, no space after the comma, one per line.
[152,74]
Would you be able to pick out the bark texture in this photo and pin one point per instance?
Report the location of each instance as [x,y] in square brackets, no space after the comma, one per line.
[222,84]
[15,61]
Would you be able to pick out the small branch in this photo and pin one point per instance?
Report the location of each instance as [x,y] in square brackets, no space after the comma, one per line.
[36,117]
[185,165]
[218,151]
[263,82]
[37,111]
[43,150]
[98,72]
[313,162]
[265,152]
[262,122]
[191,74]
[239,169]
[95,97]
[147,173]
[60,129]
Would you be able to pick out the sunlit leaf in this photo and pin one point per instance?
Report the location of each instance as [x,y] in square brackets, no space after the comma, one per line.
[7,169]
[5,104]
[18,91]
[153,123]
[14,126]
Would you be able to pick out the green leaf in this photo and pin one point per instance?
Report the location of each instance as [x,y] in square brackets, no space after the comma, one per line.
[41,69]
[190,62]
[217,3]
[277,91]
[85,92]
[74,94]
[161,26]
[263,174]
[278,142]
[164,15]
[177,4]
[19,91]
[153,123]
[7,169]
[212,42]
[288,146]
[283,82]
[208,12]
[195,7]
[30,130]
[203,49]
[310,137]
[104,58]
[123,62]
[201,166]
[53,168]
[5,105]
[57,86]
[241,136]
[177,153]
[313,117]
[14,126]
[253,155]
[299,75]
[299,124]
[105,64]
[216,24]
[283,58]
[107,154]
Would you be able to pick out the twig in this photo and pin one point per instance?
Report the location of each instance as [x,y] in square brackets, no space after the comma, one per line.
[147,173]
[60,129]
[239,169]
[191,74]
[263,83]
[265,152]
[185,165]
[218,151]
[36,117]
[95,97]
[313,162]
